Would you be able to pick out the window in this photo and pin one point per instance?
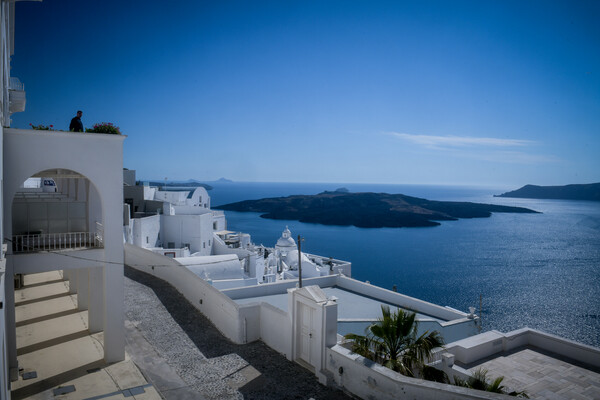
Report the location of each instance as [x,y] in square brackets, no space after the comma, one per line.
[147,239]
[214,226]
[203,245]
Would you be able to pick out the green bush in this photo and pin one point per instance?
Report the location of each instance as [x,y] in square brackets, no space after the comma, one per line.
[105,127]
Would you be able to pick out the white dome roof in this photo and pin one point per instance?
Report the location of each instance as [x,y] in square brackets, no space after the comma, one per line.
[286,242]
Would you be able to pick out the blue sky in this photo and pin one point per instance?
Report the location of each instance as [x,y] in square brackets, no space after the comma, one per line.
[461,92]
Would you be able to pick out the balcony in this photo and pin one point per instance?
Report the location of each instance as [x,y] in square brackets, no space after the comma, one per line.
[16,95]
[56,242]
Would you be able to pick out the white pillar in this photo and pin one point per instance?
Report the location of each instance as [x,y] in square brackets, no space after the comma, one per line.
[72,275]
[114,297]
[11,330]
[96,300]
[114,322]
[83,288]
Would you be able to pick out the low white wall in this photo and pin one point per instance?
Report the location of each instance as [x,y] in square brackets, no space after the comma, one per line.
[223,284]
[240,323]
[190,210]
[266,289]
[400,299]
[564,347]
[487,344]
[370,380]
[31,263]
[249,319]
[220,309]
[476,347]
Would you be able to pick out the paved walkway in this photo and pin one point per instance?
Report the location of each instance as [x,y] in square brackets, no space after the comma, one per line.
[543,376]
[184,356]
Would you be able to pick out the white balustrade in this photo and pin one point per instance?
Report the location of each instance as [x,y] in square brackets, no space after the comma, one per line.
[57,241]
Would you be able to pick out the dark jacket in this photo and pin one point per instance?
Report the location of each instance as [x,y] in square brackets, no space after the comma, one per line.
[76,125]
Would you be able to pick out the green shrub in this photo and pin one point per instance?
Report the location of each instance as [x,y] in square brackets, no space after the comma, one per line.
[104,127]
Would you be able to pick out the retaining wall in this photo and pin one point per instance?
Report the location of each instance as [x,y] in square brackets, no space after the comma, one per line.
[369,380]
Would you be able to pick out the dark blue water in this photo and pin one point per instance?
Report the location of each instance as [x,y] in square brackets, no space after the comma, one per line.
[536,270]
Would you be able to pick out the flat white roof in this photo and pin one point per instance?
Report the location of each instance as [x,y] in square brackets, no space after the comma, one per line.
[350,305]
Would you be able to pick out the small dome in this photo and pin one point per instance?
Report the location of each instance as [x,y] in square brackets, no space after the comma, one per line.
[286,242]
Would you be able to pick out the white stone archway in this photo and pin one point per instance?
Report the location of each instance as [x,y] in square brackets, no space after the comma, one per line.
[99,158]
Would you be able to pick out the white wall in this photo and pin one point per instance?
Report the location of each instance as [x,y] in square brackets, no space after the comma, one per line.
[214,267]
[146,231]
[401,300]
[175,198]
[276,329]
[190,210]
[239,323]
[266,289]
[50,215]
[99,157]
[369,380]
[195,230]
[200,198]
[219,221]
[223,312]
[488,344]
[31,263]
[222,284]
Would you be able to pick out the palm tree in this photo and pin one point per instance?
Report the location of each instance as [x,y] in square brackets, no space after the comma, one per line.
[479,380]
[393,342]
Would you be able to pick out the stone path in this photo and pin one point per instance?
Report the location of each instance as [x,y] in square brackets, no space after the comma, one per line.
[543,376]
[185,356]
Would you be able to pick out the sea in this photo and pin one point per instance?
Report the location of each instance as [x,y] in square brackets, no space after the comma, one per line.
[518,270]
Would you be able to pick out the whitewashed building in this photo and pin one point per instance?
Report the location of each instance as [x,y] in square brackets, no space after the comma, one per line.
[180,224]
[77,227]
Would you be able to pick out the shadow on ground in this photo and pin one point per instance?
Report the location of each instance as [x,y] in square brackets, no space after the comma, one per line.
[279,379]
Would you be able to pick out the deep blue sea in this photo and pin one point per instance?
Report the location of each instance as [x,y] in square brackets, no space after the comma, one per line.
[536,270]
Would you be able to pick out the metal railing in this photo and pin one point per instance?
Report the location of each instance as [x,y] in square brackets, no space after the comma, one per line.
[56,241]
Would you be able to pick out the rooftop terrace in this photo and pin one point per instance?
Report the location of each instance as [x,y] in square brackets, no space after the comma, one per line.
[543,375]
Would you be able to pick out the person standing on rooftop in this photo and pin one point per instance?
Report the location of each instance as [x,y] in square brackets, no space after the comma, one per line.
[76,124]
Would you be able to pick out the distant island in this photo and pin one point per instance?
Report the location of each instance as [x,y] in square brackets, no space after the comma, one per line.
[589,191]
[367,210]
[223,180]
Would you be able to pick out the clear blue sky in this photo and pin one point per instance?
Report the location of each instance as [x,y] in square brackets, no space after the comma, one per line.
[454,92]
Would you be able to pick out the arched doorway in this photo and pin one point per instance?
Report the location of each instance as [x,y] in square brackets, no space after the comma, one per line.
[56,209]
[88,172]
